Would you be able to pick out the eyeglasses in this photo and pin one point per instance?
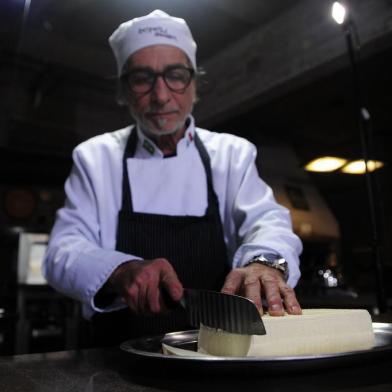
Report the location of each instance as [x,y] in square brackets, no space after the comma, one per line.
[142,81]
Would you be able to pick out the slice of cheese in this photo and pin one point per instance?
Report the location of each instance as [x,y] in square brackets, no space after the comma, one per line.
[171,350]
[221,343]
[316,331]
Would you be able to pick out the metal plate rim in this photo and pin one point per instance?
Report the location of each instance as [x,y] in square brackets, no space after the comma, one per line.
[128,346]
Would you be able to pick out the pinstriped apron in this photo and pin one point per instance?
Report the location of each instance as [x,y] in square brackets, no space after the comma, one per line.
[194,246]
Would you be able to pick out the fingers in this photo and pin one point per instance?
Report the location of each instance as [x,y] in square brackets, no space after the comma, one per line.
[170,281]
[152,304]
[233,282]
[131,298]
[248,285]
[144,284]
[252,290]
[270,284]
[139,288]
[255,281]
[290,300]
[141,283]
[279,295]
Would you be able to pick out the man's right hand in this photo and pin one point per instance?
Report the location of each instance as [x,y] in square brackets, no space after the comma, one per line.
[140,283]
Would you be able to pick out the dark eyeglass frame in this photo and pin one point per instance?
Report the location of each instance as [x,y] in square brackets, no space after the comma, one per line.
[153,76]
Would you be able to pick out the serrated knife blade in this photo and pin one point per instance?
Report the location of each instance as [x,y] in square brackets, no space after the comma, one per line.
[231,313]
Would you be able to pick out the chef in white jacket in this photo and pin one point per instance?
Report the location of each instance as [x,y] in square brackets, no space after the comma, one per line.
[163,205]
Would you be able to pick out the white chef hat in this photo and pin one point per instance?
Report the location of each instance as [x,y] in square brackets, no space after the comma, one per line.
[156,28]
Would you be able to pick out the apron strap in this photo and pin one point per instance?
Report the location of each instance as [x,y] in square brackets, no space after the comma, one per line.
[129,152]
[213,203]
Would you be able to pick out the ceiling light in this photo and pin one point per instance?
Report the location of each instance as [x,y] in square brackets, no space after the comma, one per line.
[338,12]
[359,167]
[325,164]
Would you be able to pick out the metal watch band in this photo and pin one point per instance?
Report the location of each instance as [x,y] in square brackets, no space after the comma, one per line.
[272,260]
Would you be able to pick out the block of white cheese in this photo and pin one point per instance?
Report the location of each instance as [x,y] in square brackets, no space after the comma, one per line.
[316,331]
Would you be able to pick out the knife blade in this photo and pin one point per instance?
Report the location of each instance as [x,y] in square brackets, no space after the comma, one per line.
[231,313]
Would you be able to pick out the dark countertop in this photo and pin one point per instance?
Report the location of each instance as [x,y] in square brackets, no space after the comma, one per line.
[111,369]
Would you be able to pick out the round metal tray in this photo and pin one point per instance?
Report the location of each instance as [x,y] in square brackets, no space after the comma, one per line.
[149,349]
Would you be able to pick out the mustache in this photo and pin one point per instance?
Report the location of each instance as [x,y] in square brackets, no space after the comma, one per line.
[159,108]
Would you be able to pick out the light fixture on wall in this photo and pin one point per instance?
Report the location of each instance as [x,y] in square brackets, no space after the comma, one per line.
[325,164]
[328,164]
[343,17]
[359,166]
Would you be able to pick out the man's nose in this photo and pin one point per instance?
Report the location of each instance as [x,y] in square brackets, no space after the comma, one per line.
[160,91]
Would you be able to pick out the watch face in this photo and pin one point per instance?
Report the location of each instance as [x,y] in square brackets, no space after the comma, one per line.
[270,257]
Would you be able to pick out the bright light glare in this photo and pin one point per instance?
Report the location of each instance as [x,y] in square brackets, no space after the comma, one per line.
[325,164]
[338,12]
[358,167]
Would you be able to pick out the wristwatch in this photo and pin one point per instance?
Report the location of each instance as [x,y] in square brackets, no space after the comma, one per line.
[272,260]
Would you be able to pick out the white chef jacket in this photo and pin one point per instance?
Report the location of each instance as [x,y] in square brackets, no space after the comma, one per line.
[81,253]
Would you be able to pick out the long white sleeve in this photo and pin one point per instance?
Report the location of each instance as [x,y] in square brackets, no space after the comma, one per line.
[77,262]
[263,226]
[253,221]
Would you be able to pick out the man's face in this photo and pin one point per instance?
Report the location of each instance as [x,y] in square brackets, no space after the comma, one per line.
[161,111]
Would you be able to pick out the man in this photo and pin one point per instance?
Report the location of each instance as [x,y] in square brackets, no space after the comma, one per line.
[163,205]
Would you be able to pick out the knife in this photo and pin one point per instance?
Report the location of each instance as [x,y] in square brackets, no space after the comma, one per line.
[231,313]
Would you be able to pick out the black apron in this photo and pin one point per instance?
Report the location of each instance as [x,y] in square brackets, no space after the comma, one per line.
[193,245]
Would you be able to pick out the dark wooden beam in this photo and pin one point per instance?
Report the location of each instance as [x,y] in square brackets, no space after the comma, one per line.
[298,46]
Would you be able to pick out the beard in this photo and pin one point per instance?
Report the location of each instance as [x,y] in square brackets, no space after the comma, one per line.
[156,130]
[152,131]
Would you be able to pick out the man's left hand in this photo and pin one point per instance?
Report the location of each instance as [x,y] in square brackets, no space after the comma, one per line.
[257,281]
